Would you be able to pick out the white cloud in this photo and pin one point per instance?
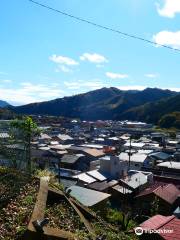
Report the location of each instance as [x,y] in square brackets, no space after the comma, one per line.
[93,58]
[28,92]
[89,85]
[170,8]
[168,38]
[63,60]
[5,80]
[151,75]
[99,65]
[116,75]
[173,89]
[63,69]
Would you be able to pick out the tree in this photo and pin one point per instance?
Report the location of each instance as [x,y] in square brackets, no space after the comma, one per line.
[155,207]
[25,130]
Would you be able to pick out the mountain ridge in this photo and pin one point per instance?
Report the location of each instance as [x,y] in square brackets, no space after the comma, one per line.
[105,103]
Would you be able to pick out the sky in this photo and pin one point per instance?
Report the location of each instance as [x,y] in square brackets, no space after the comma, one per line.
[45,55]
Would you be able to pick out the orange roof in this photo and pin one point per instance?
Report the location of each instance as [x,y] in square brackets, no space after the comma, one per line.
[94,152]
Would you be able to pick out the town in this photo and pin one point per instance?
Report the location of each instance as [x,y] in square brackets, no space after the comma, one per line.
[121,165]
[90,120]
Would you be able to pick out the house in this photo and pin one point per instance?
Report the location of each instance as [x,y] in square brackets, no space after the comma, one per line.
[113,167]
[103,186]
[136,181]
[134,145]
[173,167]
[128,186]
[75,161]
[91,153]
[84,179]
[160,156]
[89,198]
[160,227]
[44,138]
[63,139]
[97,175]
[158,137]
[167,196]
[137,160]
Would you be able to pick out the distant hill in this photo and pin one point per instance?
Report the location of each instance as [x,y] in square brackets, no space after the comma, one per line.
[154,112]
[105,103]
[3,104]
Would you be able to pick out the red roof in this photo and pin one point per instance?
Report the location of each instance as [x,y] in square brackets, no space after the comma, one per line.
[174,224]
[159,222]
[156,222]
[167,192]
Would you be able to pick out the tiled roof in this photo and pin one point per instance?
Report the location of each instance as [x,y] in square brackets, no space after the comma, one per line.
[155,222]
[159,222]
[174,224]
[167,192]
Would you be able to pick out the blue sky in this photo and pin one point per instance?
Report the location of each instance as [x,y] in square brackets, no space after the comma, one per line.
[44,55]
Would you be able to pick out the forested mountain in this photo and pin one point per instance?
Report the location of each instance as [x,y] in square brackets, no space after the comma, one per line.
[165,112]
[3,104]
[105,103]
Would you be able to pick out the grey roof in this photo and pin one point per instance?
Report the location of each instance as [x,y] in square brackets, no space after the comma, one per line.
[134,144]
[96,174]
[135,180]
[170,164]
[103,185]
[71,158]
[121,189]
[64,137]
[136,157]
[68,182]
[45,136]
[160,155]
[86,196]
[85,178]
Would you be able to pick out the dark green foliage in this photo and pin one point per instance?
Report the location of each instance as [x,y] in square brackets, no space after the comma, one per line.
[152,112]
[170,120]
[24,130]
[6,114]
[105,103]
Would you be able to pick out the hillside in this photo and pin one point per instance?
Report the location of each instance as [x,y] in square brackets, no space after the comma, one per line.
[24,198]
[3,104]
[105,103]
[154,111]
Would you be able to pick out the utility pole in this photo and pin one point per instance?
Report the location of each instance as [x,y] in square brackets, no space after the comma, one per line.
[129,153]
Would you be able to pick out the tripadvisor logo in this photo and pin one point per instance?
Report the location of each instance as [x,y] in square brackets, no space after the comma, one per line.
[139,231]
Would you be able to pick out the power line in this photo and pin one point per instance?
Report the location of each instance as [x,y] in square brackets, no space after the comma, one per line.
[102,26]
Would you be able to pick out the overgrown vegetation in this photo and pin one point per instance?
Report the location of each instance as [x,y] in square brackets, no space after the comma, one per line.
[170,120]
[18,193]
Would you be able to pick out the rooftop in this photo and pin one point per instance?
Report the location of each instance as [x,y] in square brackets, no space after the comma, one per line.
[170,164]
[158,222]
[167,192]
[86,196]
[135,157]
